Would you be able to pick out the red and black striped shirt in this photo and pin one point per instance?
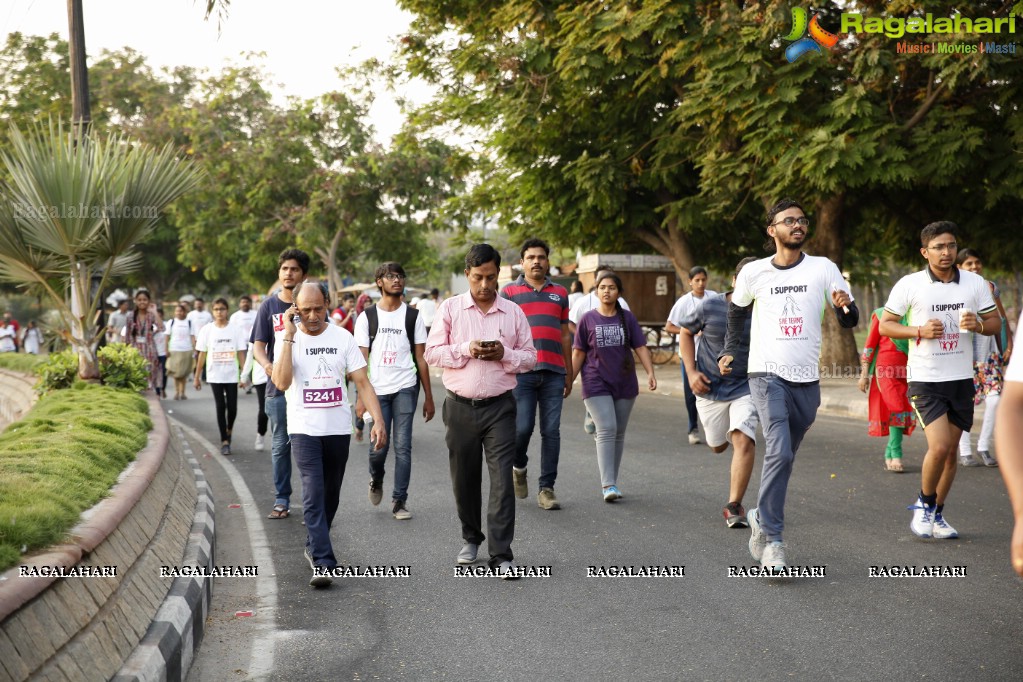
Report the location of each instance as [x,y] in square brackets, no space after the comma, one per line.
[547,311]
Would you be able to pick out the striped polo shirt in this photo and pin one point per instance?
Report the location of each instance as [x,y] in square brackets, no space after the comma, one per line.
[547,311]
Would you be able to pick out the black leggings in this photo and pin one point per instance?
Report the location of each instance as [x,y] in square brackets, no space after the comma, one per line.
[226,398]
[261,418]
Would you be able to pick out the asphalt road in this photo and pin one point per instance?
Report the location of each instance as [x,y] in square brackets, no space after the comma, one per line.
[844,512]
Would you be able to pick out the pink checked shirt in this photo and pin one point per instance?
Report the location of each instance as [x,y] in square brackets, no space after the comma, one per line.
[459,322]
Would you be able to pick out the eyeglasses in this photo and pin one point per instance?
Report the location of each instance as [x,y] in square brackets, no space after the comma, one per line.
[393,277]
[939,248]
[790,221]
[220,310]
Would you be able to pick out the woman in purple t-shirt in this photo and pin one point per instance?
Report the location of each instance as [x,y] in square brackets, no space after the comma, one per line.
[602,353]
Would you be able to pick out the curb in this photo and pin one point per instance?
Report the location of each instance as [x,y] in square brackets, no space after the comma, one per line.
[169,645]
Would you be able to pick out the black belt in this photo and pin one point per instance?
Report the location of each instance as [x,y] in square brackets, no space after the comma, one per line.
[477,402]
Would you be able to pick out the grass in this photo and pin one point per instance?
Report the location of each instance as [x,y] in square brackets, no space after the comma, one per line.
[21,362]
[61,459]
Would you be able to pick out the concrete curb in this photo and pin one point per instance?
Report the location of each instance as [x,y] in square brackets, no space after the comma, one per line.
[167,650]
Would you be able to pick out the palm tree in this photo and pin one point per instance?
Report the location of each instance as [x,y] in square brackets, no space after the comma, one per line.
[71,214]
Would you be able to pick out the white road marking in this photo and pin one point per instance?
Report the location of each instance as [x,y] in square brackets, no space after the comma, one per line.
[261,658]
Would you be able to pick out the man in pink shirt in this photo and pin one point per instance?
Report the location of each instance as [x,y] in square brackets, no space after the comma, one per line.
[482,341]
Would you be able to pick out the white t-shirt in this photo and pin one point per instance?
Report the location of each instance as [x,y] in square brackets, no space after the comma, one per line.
[7,344]
[427,308]
[925,297]
[587,303]
[199,319]
[391,366]
[179,333]
[1014,372]
[687,305]
[317,399]
[160,341]
[789,305]
[244,320]
[221,345]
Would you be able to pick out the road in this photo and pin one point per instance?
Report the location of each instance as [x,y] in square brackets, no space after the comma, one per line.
[844,512]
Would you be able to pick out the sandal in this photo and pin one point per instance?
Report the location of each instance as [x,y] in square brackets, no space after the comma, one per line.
[895,465]
[279,512]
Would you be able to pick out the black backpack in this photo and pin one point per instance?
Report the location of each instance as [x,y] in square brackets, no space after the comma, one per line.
[410,330]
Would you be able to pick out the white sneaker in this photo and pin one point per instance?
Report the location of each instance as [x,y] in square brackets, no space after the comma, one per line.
[774,556]
[694,438]
[922,524]
[260,443]
[988,458]
[757,539]
[941,530]
[968,461]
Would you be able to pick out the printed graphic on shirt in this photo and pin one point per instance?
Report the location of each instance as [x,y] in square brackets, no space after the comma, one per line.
[790,322]
[609,335]
[323,389]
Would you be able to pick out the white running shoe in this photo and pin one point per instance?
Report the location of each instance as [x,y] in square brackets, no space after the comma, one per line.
[922,524]
[774,556]
[694,438]
[757,539]
[260,443]
[941,530]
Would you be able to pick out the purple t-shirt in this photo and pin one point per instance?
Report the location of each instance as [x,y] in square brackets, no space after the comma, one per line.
[609,368]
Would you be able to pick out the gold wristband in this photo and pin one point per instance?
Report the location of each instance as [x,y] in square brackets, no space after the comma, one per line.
[981,325]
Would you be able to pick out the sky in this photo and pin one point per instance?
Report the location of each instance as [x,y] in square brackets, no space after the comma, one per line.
[303,46]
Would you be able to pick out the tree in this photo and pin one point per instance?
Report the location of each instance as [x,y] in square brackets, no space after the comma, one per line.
[676,123]
[71,214]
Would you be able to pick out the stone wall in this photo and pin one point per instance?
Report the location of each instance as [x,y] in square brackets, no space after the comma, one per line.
[16,396]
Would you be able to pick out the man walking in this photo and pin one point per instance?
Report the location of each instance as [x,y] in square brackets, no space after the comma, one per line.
[945,307]
[199,316]
[427,308]
[546,307]
[723,402]
[243,319]
[788,293]
[118,319]
[292,266]
[685,306]
[482,341]
[392,338]
[312,361]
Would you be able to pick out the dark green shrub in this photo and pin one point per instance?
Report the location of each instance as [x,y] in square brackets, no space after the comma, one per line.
[122,366]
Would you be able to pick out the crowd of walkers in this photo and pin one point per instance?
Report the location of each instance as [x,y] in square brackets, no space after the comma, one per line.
[510,356]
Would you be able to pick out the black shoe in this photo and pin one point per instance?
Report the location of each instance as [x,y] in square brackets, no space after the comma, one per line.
[735,515]
[400,511]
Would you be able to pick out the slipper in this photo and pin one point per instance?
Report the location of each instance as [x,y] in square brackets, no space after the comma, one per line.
[279,512]
[896,465]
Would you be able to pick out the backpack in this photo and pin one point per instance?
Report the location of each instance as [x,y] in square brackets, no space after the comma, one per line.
[410,330]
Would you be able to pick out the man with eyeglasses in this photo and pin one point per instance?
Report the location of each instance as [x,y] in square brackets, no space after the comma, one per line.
[946,306]
[788,294]
[392,338]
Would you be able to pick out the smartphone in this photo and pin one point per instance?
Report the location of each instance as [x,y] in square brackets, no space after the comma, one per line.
[489,344]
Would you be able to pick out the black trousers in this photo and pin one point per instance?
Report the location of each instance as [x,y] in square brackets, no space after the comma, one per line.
[472,433]
[261,418]
[226,398]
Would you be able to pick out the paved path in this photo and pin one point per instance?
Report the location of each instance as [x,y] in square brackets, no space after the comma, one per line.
[843,512]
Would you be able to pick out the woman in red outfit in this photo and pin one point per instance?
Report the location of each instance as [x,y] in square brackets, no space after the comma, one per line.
[883,368]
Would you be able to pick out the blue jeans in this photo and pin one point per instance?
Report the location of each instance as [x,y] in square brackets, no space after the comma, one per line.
[546,389]
[321,464]
[398,409]
[280,447]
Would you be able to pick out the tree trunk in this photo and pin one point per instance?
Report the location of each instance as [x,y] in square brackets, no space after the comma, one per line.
[839,355]
[80,330]
[670,241]
[80,114]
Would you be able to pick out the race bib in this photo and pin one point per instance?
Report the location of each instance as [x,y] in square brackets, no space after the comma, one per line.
[322,397]
[222,357]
